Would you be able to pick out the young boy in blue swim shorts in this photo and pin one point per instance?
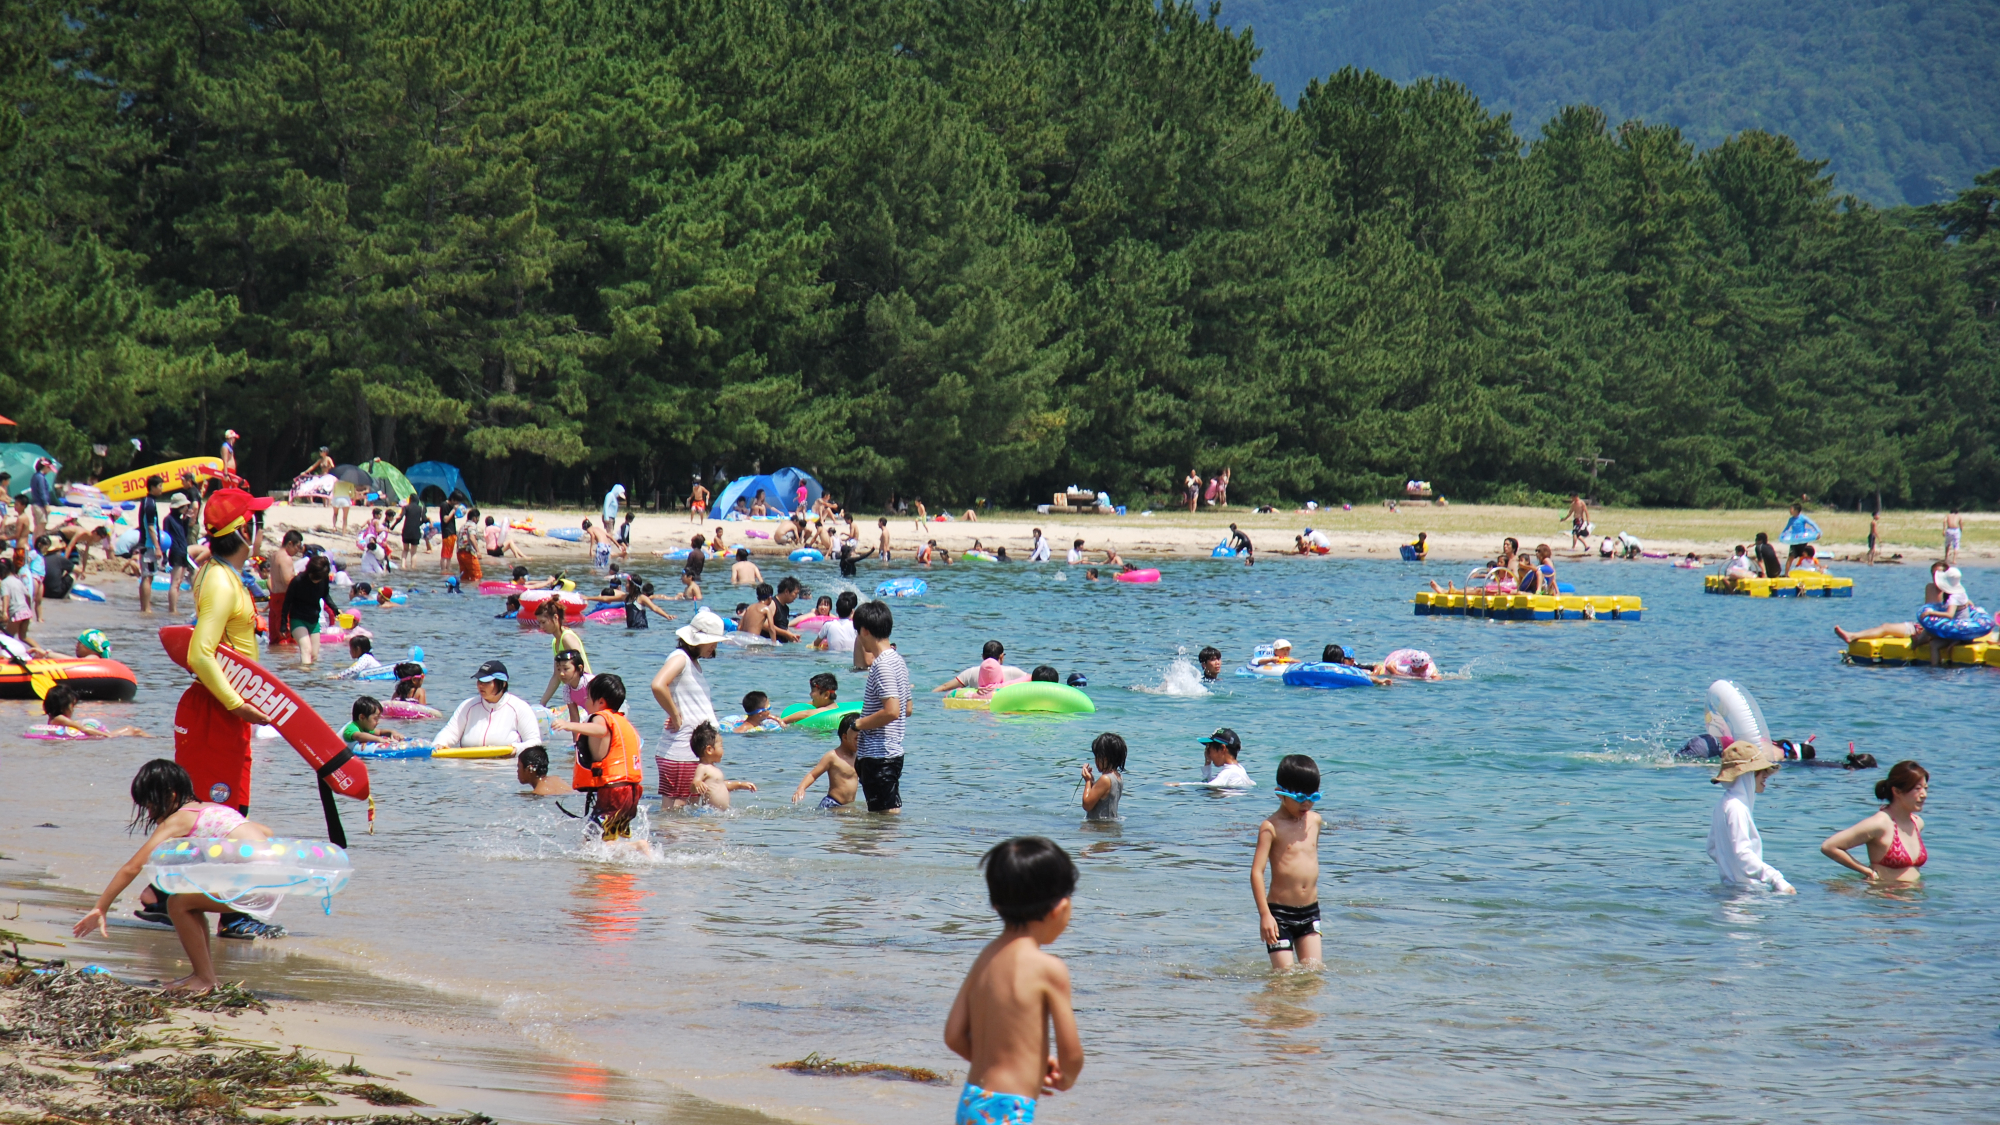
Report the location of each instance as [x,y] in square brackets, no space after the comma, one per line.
[1016,994]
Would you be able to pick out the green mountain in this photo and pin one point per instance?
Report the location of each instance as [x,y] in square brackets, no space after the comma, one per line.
[1899,97]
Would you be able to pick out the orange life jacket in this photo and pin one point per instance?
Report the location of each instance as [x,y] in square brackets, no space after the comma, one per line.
[620,765]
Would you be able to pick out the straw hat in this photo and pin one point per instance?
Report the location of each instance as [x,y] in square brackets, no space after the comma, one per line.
[1743,756]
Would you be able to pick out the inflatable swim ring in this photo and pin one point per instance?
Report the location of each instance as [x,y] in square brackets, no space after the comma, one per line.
[1141,576]
[1407,661]
[1975,624]
[568,534]
[606,615]
[52,733]
[411,709]
[825,720]
[1040,695]
[497,589]
[572,604]
[902,588]
[250,875]
[731,722]
[1319,675]
[806,554]
[980,556]
[811,622]
[91,677]
[79,590]
[1799,529]
[967,699]
[1733,715]
[1269,671]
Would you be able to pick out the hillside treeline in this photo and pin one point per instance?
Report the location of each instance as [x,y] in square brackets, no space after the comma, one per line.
[971,249]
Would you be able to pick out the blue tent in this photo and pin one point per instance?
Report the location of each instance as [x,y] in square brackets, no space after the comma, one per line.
[426,475]
[780,491]
[18,458]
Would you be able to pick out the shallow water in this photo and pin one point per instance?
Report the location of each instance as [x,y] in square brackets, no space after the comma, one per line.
[1520,918]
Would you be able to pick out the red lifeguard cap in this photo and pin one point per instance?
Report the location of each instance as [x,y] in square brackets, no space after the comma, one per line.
[229,509]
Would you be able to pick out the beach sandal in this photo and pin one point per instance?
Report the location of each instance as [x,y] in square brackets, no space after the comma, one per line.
[154,916]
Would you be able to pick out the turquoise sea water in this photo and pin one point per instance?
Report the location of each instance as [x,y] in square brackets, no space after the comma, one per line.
[1520,917]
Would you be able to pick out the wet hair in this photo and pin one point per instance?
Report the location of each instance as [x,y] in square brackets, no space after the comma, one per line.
[875,618]
[1045,674]
[1026,877]
[787,584]
[535,759]
[843,606]
[646,588]
[360,646]
[1208,653]
[763,590]
[742,554]
[1903,777]
[826,682]
[992,650]
[607,688]
[1859,762]
[570,656]
[366,705]
[848,722]
[702,737]
[1763,538]
[1109,750]
[159,790]
[1298,773]
[60,700]
[823,601]
[754,702]
[1333,654]
[520,572]
[361,589]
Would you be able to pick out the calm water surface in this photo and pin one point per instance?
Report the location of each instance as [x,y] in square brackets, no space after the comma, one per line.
[1520,919]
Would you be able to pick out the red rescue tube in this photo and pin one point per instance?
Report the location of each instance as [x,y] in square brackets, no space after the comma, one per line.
[91,678]
[293,717]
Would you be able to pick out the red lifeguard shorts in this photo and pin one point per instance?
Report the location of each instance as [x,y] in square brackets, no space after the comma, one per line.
[213,746]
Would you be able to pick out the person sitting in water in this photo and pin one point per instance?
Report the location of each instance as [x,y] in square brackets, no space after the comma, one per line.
[760,620]
[824,690]
[1090,575]
[1210,659]
[991,650]
[1112,558]
[364,729]
[710,786]
[493,717]
[690,589]
[1281,653]
[744,572]
[512,610]
[1220,769]
[757,715]
[1421,548]
[532,770]
[1045,674]
[59,710]
[1075,552]
[410,683]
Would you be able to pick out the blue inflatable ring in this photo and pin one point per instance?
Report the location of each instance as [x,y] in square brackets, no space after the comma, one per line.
[1321,675]
[1975,624]
[806,554]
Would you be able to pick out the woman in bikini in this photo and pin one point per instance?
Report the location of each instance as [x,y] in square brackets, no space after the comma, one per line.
[1894,835]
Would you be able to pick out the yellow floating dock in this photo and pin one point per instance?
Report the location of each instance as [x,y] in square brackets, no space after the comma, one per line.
[1532,607]
[1803,585]
[1895,651]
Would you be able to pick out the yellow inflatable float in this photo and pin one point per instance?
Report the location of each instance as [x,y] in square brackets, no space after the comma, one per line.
[1532,607]
[1804,584]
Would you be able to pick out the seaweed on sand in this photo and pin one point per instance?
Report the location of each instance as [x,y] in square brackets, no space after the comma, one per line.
[828,1066]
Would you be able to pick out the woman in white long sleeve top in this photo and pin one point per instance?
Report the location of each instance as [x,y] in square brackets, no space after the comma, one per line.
[494,717]
[1733,842]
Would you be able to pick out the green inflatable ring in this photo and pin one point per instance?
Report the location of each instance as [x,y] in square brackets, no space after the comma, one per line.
[825,720]
[1036,695]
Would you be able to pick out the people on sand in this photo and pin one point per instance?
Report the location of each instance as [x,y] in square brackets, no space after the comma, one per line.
[1015,999]
[1579,522]
[681,690]
[837,766]
[1894,834]
[1954,530]
[697,502]
[493,716]
[1220,769]
[1733,841]
[991,650]
[1288,844]
[1102,790]
[164,796]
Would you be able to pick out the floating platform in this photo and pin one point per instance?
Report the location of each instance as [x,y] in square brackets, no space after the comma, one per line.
[1794,586]
[1532,607]
[1898,651]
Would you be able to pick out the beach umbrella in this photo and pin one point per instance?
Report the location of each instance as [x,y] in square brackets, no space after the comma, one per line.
[388,478]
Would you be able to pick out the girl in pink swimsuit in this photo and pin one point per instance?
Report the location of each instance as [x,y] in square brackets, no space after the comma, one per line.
[1889,858]
[164,796]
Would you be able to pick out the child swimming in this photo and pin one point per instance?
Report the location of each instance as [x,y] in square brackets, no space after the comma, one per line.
[164,797]
[837,765]
[1016,995]
[757,715]
[531,768]
[825,690]
[361,649]
[59,710]
[410,683]
[710,787]
[1101,793]
[1288,842]
[367,713]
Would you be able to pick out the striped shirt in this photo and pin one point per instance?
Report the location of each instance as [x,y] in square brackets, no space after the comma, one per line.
[888,678]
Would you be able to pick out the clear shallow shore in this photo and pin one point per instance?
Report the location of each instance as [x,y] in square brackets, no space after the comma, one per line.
[1520,918]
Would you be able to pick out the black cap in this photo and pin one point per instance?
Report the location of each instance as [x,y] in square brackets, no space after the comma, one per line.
[495,670]
[1078,679]
[1225,738]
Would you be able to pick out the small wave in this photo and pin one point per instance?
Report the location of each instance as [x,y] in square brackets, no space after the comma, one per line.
[1183,678]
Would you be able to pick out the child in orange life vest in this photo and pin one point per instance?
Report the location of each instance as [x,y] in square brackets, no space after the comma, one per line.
[608,770]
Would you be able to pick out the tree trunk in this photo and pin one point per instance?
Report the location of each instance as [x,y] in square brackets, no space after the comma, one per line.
[364,435]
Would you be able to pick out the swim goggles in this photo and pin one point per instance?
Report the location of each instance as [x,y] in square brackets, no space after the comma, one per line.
[1301,798]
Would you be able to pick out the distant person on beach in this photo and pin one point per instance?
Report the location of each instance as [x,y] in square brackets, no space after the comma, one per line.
[1733,841]
[1240,543]
[837,766]
[1579,522]
[1954,530]
[1288,843]
[1874,534]
[164,795]
[1016,997]
[1102,791]
[1891,831]
[697,502]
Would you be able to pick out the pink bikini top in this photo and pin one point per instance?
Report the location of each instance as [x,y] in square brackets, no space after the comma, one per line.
[215,821]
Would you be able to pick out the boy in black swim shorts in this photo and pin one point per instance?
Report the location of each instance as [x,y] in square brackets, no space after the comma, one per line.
[1288,842]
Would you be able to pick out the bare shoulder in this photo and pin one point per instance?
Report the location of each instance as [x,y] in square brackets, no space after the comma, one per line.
[1314,822]
[1053,969]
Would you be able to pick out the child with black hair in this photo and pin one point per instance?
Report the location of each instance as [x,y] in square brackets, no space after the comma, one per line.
[607,762]
[837,765]
[710,787]
[1210,659]
[361,649]
[410,683]
[163,794]
[1288,841]
[531,768]
[511,611]
[1015,994]
[1101,793]
[825,690]
[59,709]
[1045,674]
[367,713]
[757,715]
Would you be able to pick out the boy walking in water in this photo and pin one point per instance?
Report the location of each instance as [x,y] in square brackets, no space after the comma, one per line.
[1288,841]
[1015,994]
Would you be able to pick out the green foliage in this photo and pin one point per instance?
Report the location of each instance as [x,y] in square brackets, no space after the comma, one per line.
[984,248]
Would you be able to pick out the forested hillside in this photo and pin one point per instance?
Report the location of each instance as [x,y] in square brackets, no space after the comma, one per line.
[966,249]
[1899,97]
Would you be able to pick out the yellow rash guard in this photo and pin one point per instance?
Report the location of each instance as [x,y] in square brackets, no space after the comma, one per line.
[224,614]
